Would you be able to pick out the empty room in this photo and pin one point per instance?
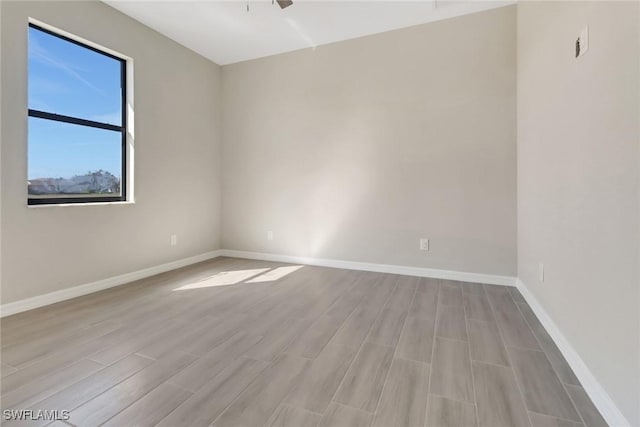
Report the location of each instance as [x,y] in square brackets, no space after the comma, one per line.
[320,213]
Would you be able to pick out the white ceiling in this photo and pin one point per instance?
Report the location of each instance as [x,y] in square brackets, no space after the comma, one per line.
[225,32]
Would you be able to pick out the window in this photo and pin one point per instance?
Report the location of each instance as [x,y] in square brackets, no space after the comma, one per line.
[77,121]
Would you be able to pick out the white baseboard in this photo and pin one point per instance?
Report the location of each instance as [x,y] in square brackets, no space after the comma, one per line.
[65,294]
[596,392]
[379,268]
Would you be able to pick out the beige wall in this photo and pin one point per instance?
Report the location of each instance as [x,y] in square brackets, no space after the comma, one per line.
[177,170]
[578,181]
[355,150]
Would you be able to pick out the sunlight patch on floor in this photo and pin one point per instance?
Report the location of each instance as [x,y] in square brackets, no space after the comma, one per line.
[275,274]
[224,278]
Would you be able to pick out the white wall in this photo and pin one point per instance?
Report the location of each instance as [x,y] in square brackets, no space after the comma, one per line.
[355,150]
[578,181]
[177,165]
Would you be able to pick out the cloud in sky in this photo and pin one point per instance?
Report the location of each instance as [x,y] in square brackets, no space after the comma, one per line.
[39,53]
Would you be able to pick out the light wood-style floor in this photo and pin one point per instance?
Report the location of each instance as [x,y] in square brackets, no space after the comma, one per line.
[233,342]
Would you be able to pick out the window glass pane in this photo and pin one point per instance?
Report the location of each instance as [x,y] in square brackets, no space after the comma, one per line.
[72,160]
[71,80]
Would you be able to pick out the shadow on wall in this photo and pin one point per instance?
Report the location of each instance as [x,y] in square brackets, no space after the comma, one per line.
[330,199]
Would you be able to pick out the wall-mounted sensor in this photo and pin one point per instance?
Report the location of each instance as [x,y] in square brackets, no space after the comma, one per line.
[582,42]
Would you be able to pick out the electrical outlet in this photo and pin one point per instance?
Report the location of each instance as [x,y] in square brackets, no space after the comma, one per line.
[424,244]
[269,235]
[541,272]
[582,42]
[174,239]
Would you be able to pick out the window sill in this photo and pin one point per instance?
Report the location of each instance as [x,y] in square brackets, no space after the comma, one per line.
[65,205]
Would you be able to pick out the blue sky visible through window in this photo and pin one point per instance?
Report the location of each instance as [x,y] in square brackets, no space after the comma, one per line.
[71,80]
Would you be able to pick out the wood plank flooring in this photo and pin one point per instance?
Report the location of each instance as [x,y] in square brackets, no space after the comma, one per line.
[233,342]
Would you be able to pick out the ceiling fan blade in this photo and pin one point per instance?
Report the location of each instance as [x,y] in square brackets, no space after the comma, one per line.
[284,3]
